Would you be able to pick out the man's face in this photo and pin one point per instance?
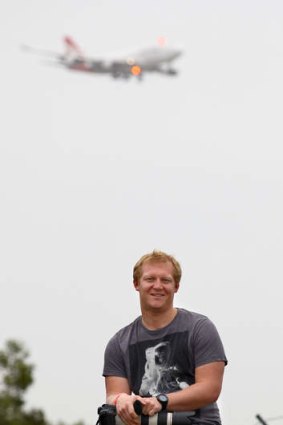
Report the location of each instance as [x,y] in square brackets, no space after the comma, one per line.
[157,286]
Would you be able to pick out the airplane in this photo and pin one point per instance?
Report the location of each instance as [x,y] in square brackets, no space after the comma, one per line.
[154,59]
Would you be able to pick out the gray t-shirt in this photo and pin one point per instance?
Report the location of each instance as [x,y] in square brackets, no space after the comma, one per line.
[164,360]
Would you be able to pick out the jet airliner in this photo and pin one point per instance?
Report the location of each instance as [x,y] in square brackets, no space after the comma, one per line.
[153,59]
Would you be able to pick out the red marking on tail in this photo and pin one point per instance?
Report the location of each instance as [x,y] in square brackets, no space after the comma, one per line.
[71,46]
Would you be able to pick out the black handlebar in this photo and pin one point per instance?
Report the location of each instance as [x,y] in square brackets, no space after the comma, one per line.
[108,416]
[138,407]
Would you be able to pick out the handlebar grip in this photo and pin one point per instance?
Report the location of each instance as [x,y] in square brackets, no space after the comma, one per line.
[138,407]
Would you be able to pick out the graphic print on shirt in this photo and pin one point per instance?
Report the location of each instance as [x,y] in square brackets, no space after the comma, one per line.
[160,367]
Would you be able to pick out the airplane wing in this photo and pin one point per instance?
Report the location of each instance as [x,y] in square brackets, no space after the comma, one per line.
[41,52]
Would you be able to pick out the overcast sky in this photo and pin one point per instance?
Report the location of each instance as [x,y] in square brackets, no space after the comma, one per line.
[95,172]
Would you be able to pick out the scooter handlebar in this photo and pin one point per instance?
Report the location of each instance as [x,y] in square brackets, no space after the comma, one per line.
[108,416]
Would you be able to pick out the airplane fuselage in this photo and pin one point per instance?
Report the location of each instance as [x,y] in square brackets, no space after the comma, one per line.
[153,59]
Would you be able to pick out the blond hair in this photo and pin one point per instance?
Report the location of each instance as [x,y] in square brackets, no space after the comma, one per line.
[157,257]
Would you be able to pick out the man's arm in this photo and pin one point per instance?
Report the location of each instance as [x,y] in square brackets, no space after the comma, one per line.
[118,393]
[115,386]
[205,390]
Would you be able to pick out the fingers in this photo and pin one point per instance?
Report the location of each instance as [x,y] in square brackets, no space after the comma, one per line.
[125,410]
[151,405]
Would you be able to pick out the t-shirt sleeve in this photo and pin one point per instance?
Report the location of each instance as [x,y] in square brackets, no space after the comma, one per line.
[113,359]
[208,346]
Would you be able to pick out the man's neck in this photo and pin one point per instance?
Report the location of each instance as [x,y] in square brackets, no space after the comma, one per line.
[153,320]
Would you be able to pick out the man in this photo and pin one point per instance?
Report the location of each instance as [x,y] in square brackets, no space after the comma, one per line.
[168,358]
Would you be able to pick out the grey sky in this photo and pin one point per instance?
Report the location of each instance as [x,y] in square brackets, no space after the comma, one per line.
[95,172]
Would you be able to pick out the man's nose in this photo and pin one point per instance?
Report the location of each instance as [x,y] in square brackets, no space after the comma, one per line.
[157,283]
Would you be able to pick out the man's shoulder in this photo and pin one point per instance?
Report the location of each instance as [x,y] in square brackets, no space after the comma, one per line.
[192,321]
[191,315]
[128,329]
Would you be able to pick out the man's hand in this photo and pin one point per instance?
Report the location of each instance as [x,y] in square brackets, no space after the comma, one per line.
[125,409]
[150,405]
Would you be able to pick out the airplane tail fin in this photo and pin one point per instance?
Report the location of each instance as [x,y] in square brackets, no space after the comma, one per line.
[72,50]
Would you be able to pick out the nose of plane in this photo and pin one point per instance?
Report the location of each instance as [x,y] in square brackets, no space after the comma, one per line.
[174,53]
[178,53]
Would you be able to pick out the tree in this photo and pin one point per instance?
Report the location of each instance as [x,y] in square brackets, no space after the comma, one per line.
[16,376]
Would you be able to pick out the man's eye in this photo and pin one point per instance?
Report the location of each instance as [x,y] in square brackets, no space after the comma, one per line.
[166,280]
[149,279]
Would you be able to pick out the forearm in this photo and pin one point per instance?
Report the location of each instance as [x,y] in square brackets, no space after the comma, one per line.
[205,390]
[193,397]
[116,386]
[113,397]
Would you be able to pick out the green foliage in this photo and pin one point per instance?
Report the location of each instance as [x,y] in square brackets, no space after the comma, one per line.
[16,376]
[17,373]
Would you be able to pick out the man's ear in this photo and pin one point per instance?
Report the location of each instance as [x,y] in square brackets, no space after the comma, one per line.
[136,285]
[177,286]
